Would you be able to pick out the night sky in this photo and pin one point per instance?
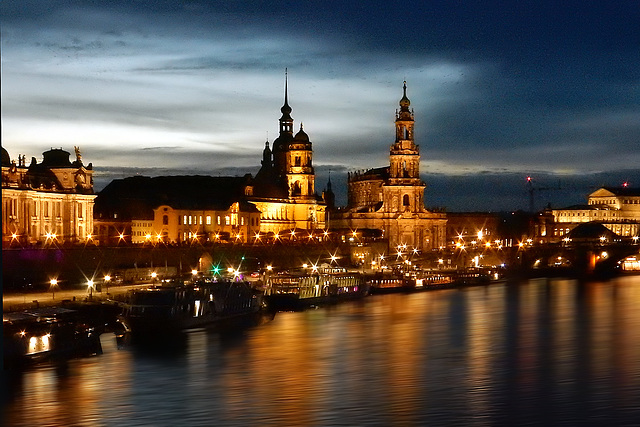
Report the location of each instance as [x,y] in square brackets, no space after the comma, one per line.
[501,90]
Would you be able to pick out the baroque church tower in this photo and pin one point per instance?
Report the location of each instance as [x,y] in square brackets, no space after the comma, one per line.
[293,155]
[284,187]
[391,198]
[405,189]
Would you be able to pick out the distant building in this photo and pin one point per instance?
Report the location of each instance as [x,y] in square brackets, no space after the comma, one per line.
[284,190]
[46,202]
[176,209]
[391,198]
[618,209]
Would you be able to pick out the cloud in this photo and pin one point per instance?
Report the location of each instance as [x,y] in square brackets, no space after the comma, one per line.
[496,88]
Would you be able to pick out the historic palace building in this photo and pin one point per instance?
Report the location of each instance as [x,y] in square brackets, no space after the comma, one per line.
[284,189]
[46,202]
[185,209]
[618,209]
[176,209]
[391,199]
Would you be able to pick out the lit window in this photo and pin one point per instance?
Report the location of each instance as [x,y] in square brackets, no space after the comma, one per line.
[227,220]
[200,219]
[208,219]
[242,221]
[190,218]
[184,220]
[218,219]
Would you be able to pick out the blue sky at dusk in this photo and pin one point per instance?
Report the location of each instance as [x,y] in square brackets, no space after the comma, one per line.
[500,90]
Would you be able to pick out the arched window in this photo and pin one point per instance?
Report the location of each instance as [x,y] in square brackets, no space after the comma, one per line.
[405,200]
[165,220]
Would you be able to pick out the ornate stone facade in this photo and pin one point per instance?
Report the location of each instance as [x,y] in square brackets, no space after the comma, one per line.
[618,209]
[391,199]
[47,202]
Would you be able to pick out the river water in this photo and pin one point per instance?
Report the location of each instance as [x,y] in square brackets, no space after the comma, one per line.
[538,352]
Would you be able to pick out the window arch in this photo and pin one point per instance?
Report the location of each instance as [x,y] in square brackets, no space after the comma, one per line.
[405,200]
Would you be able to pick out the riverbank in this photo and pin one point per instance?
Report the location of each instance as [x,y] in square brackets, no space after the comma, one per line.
[18,301]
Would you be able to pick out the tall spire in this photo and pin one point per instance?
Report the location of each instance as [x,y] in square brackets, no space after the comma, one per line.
[286,86]
[286,122]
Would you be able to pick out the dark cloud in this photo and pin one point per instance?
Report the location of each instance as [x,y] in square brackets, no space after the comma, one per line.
[547,86]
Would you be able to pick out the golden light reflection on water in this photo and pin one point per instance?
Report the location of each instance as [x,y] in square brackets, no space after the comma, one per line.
[476,356]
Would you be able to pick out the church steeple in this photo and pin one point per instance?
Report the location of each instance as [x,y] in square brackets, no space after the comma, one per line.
[404,154]
[286,122]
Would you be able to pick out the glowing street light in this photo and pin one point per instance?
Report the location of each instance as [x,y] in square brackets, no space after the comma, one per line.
[90,288]
[52,284]
[107,279]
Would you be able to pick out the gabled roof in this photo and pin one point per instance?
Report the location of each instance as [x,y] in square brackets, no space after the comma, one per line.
[616,191]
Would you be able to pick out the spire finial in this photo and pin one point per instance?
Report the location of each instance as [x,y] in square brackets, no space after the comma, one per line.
[404,102]
[286,88]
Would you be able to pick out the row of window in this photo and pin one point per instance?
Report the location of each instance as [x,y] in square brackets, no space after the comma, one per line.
[573,214]
[634,201]
[144,224]
[48,208]
[198,220]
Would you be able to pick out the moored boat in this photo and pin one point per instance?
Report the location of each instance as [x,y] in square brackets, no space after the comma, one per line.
[169,309]
[48,333]
[299,290]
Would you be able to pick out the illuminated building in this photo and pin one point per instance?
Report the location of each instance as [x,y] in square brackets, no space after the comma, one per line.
[182,209]
[618,209]
[176,209]
[391,199]
[284,189]
[47,202]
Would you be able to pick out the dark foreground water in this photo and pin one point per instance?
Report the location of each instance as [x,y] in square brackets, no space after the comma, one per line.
[542,352]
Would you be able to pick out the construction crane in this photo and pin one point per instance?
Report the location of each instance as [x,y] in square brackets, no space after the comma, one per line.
[532,190]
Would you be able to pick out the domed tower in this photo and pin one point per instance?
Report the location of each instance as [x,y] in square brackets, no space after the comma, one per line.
[300,173]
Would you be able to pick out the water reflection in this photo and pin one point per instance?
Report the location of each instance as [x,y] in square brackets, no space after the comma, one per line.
[543,352]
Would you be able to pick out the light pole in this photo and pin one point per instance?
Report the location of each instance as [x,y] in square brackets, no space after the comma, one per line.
[52,284]
[90,288]
[107,279]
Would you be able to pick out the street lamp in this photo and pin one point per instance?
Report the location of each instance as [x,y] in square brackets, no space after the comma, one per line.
[90,288]
[52,284]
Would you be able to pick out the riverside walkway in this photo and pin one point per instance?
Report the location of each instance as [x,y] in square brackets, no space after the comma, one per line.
[17,301]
